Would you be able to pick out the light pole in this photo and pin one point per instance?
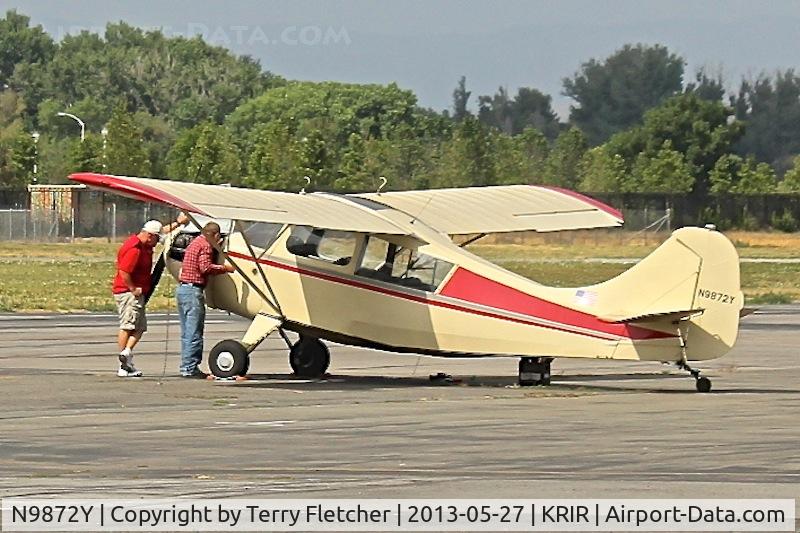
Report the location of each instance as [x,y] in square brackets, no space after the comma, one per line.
[35,136]
[76,119]
[104,133]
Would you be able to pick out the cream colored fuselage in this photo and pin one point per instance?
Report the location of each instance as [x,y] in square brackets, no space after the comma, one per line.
[482,309]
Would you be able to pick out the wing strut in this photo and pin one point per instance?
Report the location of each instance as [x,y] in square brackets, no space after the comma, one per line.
[274,301]
[274,305]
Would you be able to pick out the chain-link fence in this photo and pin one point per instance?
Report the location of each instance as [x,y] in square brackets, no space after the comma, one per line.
[112,221]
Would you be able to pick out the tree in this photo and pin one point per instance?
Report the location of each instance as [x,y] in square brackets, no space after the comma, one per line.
[770,110]
[562,162]
[664,171]
[697,128]
[530,108]
[707,86]
[733,174]
[791,180]
[600,171]
[460,98]
[205,154]
[468,158]
[274,160]
[125,152]
[87,156]
[19,43]
[612,95]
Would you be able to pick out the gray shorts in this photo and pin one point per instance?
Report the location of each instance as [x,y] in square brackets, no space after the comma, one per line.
[131,312]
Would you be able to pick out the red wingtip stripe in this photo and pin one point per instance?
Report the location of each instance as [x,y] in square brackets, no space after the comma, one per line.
[127,187]
[589,200]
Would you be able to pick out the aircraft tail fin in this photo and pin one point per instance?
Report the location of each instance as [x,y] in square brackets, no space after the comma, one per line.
[691,281]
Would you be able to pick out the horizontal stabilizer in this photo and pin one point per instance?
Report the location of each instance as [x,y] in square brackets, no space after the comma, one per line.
[744,311]
[669,316]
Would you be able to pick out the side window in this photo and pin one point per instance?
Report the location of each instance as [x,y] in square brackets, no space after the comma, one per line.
[331,246]
[261,234]
[392,263]
[424,272]
[375,254]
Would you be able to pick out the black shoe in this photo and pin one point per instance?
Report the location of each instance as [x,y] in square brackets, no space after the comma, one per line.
[197,374]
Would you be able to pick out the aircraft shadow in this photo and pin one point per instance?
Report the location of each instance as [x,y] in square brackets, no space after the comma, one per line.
[565,383]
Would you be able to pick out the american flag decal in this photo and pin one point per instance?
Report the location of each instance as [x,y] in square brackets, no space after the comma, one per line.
[584,297]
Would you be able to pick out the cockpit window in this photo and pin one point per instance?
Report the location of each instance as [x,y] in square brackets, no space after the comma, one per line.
[331,246]
[261,234]
[392,263]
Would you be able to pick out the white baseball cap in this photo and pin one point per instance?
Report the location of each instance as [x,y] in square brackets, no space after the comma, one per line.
[152,226]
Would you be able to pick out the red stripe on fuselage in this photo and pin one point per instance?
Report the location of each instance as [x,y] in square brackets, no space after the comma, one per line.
[470,287]
[598,334]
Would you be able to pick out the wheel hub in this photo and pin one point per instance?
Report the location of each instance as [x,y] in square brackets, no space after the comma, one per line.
[225,361]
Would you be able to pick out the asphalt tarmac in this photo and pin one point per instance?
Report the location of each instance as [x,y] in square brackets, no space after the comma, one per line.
[377,427]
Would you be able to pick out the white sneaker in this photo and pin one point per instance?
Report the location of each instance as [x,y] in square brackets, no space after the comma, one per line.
[126,368]
[129,374]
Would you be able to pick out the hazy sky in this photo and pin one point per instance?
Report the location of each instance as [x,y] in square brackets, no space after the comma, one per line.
[427,45]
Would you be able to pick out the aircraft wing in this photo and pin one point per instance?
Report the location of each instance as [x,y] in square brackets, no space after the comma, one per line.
[216,201]
[501,209]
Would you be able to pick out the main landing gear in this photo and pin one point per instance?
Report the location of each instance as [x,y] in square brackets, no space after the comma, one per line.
[534,371]
[702,383]
[309,357]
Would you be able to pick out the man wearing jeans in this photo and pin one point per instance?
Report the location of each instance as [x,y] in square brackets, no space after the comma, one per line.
[131,285]
[198,265]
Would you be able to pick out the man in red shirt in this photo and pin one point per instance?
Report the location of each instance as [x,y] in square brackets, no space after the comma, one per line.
[198,265]
[131,283]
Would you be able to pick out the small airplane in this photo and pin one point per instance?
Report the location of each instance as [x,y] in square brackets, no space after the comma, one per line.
[382,270]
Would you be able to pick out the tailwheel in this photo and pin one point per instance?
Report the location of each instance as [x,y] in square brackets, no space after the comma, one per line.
[702,383]
[228,359]
[309,358]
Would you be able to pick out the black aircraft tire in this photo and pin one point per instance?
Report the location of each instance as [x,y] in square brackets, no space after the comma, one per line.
[228,359]
[309,358]
[703,384]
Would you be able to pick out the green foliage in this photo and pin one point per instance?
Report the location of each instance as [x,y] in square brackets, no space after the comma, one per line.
[664,171]
[21,44]
[732,174]
[274,161]
[699,129]
[522,158]
[785,222]
[87,156]
[528,109]
[374,111]
[707,87]
[16,158]
[125,151]
[460,98]
[468,158]
[770,109]
[791,180]
[612,95]
[600,171]
[205,154]
[185,80]
[561,168]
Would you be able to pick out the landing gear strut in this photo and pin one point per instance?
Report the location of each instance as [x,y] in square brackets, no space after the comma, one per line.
[702,383]
[309,357]
[534,371]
